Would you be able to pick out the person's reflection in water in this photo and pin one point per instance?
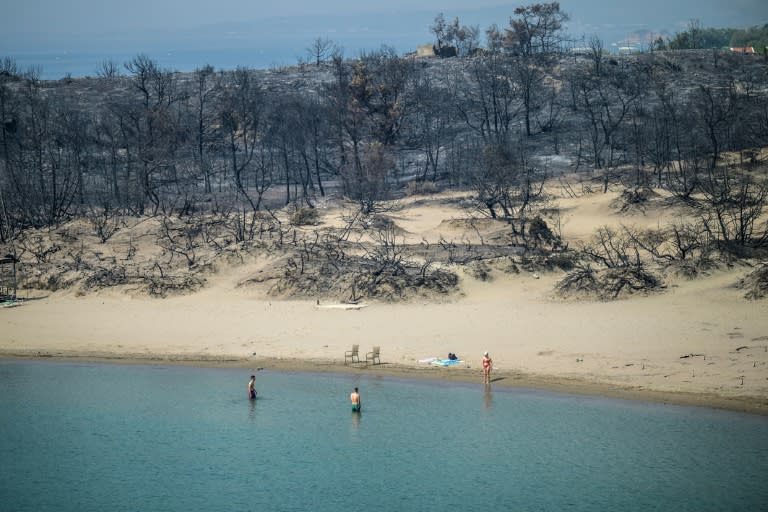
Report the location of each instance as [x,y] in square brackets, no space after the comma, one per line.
[488,397]
[252,409]
[356,420]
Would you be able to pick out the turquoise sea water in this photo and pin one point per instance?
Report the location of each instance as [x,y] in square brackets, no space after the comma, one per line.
[94,437]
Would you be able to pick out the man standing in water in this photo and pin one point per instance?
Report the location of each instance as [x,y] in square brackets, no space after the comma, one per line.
[355,398]
[252,388]
[487,367]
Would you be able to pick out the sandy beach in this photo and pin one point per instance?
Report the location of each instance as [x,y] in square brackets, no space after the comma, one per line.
[699,342]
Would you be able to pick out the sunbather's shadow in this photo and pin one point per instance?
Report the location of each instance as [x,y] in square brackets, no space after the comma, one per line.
[496,379]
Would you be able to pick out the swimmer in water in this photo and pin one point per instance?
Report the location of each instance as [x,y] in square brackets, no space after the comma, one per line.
[354,397]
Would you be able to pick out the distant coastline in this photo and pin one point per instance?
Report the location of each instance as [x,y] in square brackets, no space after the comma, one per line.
[59,65]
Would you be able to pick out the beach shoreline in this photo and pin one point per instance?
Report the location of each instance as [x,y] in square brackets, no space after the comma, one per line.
[757,405]
[692,342]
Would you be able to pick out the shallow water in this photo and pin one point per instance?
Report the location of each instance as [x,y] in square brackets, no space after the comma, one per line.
[103,437]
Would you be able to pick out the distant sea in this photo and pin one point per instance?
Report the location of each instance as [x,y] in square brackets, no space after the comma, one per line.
[263,42]
[96,437]
[282,41]
[57,65]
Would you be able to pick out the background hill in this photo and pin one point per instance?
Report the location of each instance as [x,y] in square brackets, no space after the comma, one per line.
[206,165]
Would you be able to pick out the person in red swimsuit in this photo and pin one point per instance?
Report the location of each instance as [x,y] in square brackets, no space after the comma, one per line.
[487,367]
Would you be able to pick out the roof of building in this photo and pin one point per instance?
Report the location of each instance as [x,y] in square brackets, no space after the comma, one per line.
[746,49]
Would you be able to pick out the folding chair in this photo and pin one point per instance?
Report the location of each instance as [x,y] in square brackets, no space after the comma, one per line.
[352,355]
[373,357]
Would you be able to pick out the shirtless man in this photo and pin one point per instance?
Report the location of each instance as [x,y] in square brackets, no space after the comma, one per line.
[487,367]
[252,388]
[354,397]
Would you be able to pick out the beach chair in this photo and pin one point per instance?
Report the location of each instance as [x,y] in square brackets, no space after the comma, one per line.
[352,355]
[373,357]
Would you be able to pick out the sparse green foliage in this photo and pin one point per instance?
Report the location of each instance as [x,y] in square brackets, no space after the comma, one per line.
[536,29]
[698,37]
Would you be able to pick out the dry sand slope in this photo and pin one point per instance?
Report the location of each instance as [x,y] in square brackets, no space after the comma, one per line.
[699,341]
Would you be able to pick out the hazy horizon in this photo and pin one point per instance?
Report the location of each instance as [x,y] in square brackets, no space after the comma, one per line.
[182,35]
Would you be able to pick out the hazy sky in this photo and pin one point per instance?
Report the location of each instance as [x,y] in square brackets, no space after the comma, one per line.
[78,16]
[99,15]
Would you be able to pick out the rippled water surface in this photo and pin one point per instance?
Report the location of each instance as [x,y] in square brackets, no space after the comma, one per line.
[102,437]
